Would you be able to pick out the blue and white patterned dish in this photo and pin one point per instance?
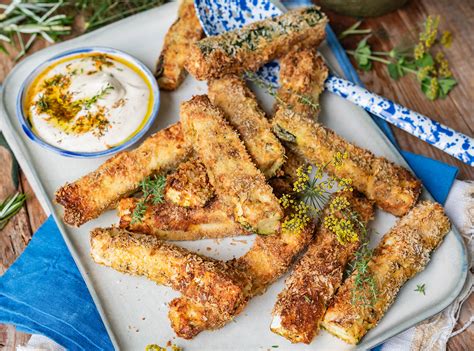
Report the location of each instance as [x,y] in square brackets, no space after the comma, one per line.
[219,16]
[26,126]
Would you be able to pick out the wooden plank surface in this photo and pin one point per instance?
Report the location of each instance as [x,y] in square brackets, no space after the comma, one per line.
[455,111]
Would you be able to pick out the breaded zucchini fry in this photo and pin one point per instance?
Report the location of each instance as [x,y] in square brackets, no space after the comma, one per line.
[392,187]
[403,252]
[186,30]
[302,77]
[89,196]
[231,172]
[250,47]
[300,307]
[241,109]
[172,222]
[189,185]
[268,259]
[199,278]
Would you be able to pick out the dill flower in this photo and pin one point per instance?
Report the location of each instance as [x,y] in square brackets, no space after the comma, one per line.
[343,228]
[424,72]
[433,89]
[339,158]
[446,39]
[430,32]
[443,65]
[419,51]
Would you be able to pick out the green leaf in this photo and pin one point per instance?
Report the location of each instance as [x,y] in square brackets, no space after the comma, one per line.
[425,60]
[362,55]
[393,70]
[2,49]
[446,85]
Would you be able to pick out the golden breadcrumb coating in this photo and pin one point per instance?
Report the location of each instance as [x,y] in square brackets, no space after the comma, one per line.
[267,260]
[300,307]
[403,252]
[392,187]
[185,31]
[231,172]
[172,222]
[119,176]
[302,77]
[241,109]
[255,44]
[189,185]
[200,278]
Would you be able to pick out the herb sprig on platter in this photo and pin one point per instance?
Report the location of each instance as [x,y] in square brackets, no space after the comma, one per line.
[152,192]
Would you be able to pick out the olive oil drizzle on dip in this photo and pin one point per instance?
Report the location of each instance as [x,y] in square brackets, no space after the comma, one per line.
[89,102]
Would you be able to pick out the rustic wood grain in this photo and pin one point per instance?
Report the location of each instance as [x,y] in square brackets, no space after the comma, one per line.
[401,27]
[391,29]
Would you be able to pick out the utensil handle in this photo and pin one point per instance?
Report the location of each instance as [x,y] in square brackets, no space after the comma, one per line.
[444,138]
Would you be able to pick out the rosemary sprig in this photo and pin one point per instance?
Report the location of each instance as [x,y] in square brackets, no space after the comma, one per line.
[421,289]
[152,191]
[34,18]
[9,207]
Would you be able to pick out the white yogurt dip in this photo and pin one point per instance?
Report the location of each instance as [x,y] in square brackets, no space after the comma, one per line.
[89,102]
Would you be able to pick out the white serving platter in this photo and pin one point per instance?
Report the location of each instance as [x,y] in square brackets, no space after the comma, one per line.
[135,309]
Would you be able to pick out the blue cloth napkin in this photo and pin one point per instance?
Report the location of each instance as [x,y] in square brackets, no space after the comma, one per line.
[43,291]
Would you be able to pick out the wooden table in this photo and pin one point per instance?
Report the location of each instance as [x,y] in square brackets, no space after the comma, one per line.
[455,111]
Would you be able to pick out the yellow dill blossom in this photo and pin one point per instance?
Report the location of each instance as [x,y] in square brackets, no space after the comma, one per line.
[419,51]
[297,220]
[430,32]
[339,158]
[302,178]
[433,89]
[443,65]
[343,228]
[424,72]
[338,203]
[446,39]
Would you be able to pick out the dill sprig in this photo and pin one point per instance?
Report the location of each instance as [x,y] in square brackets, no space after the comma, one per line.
[9,207]
[310,193]
[152,192]
[87,103]
[272,90]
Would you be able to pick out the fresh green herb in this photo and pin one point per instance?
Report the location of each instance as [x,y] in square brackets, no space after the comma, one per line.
[101,13]
[354,30]
[420,288]
[272,91]
[307,299]
[365,288]
[22,22]
[9,207]
[33,18]
[433,74]
[275,346]
[152,191]
[87,103]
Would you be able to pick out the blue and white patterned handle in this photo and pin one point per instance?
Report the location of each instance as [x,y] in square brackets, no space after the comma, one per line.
[444,138]
[220,16]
